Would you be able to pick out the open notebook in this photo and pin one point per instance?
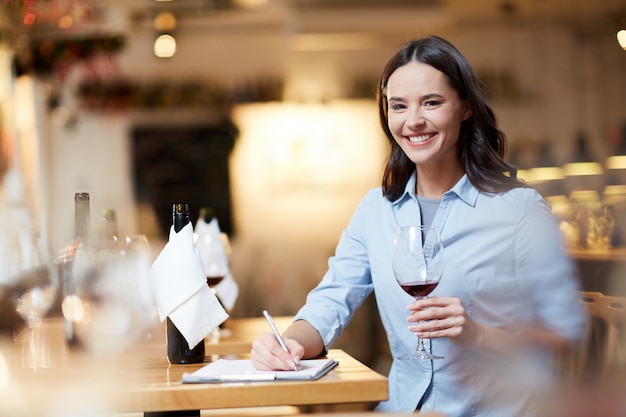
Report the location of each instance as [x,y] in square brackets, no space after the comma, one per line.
[241,370]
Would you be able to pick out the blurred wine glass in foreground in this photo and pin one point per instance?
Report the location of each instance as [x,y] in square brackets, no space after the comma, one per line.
[33,280]
[138,260]
[34,291]
[33,294]
[115,299]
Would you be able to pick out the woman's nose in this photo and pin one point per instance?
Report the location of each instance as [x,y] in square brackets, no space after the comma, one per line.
[415,119]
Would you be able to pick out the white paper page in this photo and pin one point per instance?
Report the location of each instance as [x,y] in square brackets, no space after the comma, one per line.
[241,370]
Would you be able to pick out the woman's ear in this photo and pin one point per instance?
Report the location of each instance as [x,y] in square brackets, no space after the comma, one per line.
[467,112]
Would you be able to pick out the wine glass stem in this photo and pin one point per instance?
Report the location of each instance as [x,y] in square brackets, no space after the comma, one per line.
[421,345]
[215,332]
[420,341]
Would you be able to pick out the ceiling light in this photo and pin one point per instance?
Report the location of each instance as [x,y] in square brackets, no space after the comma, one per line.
[165,22]
[165,46]
[621,38]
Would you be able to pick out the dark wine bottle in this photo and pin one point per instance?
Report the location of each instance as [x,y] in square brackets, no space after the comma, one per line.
[178,350]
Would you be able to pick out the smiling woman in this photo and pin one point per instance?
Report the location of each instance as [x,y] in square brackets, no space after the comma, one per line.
[507,299]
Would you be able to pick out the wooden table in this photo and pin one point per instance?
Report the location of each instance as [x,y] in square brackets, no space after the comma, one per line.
[161,389]
[142,381]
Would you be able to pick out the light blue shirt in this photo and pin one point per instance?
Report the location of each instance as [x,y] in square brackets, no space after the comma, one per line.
[503,258]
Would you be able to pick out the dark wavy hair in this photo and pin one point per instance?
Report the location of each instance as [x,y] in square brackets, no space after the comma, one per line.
[481,144]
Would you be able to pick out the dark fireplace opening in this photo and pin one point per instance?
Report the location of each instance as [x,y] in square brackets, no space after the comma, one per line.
[184,164]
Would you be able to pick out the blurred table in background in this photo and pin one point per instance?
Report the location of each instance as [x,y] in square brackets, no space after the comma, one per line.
[602,270]
[610,254]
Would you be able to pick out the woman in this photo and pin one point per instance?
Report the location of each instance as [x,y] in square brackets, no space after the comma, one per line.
[508,296]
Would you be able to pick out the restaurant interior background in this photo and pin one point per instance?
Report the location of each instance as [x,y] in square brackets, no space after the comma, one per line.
[265,111]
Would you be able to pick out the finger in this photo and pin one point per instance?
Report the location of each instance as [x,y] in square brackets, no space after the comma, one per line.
[449,327]
[267,354]
[429,331]
[296,350]
[260,353]
[428,314]
[436,301]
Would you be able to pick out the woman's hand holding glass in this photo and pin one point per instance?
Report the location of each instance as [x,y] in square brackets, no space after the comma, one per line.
[434,317]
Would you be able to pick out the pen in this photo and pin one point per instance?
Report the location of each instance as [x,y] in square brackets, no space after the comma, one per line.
[281,342]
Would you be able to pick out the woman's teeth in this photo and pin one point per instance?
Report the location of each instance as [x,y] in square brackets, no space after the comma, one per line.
[418,139]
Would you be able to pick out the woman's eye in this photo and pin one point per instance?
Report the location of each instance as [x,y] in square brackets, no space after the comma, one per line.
[397,106]
[432,103]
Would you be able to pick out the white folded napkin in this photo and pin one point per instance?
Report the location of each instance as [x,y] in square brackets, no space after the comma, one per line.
[181,291]
[215,260]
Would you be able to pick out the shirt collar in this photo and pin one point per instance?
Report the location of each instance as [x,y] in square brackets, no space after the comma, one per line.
[463,189]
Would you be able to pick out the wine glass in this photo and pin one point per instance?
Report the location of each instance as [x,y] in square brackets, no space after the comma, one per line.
[138,259]
[418,265]
[33,278]
[35,290]
[210,245]
[34,283]
[111,289]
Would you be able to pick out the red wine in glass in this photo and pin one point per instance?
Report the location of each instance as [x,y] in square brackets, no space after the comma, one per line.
[213,281]
[419,288]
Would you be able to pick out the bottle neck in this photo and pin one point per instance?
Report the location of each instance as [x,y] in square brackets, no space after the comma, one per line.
[181,216]
[207,214]
[109,225]
[81,219]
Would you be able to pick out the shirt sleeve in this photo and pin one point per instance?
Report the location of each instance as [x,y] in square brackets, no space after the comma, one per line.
[546,271]
[330,306]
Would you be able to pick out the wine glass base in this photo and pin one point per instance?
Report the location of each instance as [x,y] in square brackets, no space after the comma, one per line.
[421,355]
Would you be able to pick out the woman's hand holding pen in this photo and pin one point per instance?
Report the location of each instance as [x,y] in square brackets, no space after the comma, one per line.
[267,354]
